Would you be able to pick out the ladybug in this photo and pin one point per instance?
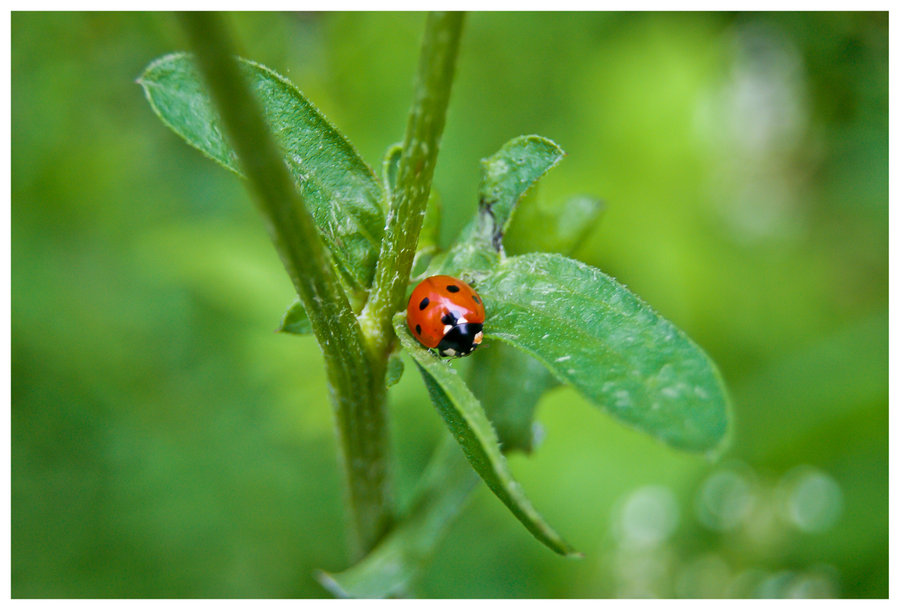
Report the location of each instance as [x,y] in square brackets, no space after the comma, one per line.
[445,313]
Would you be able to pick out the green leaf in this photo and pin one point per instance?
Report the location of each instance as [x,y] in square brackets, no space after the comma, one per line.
[560,229]
[415,171]
[389,168]
[510,172]
[470,427]
[295,321]
[391,567]
[506,177]
[431,224]
[509,383]
[394,369]
[594,334]
[341,191]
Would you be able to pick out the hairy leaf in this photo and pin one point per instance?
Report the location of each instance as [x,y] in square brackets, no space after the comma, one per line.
[506,177]
[594,334]
[340,190]
[510,172]
[510,399]
[470,427]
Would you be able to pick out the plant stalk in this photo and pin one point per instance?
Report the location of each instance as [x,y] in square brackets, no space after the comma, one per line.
[420,148]
[356,380]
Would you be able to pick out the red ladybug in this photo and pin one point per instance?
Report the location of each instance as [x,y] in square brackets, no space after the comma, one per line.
[445,313]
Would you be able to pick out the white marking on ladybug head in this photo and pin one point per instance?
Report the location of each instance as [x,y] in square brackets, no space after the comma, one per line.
[449,352]
[447,329]
[462,321]
[478,337]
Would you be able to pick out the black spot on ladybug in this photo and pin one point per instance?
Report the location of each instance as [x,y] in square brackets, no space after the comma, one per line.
[452,288]
[418,329]
[476,299]
[449,318]
[424,303]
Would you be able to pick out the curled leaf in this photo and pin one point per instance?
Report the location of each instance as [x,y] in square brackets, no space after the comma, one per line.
[506,176]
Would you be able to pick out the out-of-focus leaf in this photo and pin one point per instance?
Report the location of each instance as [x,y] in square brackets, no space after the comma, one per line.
[339,189]
[560,230]
[295,320]
[594,334]
[394,369]
[470,427]
[508,383]
[400,557]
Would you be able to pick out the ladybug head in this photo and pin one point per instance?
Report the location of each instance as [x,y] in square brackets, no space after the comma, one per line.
[461,340]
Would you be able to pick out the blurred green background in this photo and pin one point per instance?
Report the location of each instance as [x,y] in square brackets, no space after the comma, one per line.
[166,442]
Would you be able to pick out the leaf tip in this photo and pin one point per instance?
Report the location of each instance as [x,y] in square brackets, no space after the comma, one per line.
[330,584]
[565,549]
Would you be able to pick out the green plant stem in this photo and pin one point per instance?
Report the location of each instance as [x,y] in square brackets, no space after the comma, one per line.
[356,380]
[420,148]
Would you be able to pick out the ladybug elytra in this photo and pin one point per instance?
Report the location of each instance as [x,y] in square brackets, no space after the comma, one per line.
[445,313]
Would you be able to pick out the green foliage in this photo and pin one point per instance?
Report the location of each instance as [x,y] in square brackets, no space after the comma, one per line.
[389,168]
[431,224]
[587,329]
[560,229]
[340,190]
[355,379]
[295,320]
[415,170]
[508,174]
[510,399]
[393,567]
[471,428]
[505,178]
[581,325]
[594,334]
[166,443]
[394,369]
